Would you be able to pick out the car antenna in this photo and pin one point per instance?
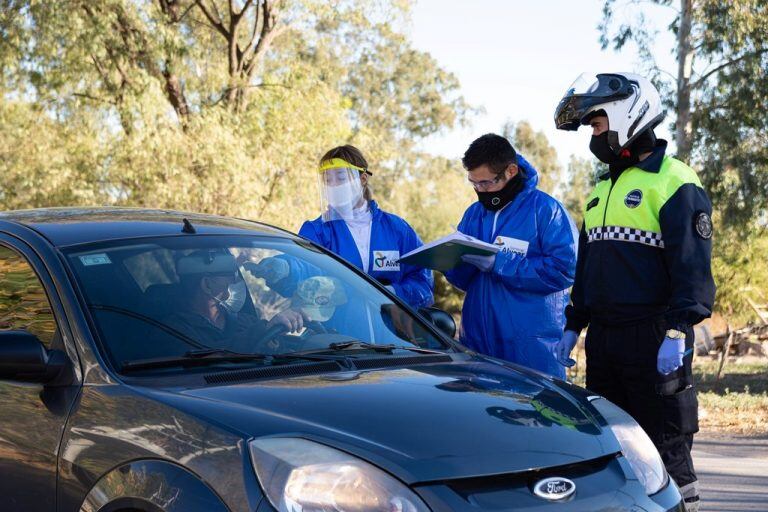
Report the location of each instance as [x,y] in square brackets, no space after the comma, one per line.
[188,227]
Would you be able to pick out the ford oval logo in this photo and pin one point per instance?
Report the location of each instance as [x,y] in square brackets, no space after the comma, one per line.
[554,489]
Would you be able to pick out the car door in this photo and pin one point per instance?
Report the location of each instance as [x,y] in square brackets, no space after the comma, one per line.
[32,416]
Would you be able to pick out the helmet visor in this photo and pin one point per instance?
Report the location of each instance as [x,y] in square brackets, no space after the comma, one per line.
[341,190]
[585,93]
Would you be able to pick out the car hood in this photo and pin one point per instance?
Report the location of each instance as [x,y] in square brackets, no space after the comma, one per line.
[424,423]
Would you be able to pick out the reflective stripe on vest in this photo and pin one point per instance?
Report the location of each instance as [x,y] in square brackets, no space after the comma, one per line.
[628,210]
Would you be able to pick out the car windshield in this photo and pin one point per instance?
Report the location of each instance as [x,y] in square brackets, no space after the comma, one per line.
[227,298]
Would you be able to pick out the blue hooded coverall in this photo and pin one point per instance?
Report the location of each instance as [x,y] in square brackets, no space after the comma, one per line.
[515,311]
[391,237]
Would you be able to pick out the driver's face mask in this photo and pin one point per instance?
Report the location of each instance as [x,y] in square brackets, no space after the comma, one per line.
[232,298]
[238,293]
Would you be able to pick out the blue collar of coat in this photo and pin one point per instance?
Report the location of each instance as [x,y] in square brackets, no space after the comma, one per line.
[374,207]
[530,175]
[654,160]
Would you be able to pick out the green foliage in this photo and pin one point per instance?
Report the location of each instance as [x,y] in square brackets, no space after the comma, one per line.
[580,180]
[741,274]
[214,106]
[434,192]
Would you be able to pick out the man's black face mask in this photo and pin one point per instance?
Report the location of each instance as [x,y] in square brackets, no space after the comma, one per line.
[497,200]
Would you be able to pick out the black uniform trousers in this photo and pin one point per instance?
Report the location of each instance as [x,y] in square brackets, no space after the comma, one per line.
[621,366]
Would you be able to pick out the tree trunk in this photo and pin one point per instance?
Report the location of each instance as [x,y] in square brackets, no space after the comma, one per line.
[685,54]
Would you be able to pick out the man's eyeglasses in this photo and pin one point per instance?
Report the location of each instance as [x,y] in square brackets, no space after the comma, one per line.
[485,184]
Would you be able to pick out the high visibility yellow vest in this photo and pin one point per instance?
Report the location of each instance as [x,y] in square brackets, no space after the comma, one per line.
[629,209]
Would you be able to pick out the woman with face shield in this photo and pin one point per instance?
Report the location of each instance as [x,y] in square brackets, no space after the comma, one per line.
[353,226]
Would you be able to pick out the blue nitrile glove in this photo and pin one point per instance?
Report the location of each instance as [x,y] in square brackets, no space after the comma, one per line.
[670,356]
[484,263]
[564,347]
[270,269]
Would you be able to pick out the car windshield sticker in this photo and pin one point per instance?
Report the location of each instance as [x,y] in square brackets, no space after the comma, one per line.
[511,245]
[386,260]
[89,260]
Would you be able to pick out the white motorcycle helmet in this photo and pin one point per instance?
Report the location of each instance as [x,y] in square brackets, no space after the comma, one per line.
[630,101]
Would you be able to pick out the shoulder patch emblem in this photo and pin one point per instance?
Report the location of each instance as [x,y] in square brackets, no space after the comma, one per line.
[633,198]
[703,224]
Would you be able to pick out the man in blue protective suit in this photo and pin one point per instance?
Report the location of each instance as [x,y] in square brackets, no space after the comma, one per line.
[515,299]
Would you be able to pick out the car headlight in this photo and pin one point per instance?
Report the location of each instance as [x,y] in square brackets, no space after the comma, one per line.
[298,475]
[636,446]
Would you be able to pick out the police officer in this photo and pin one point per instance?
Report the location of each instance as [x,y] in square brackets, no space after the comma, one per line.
[643,276]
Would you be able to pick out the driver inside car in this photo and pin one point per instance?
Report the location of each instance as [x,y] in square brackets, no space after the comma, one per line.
[214,295]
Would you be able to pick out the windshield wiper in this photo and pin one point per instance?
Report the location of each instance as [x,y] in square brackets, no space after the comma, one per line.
[363,345]
[225,353]
[192,358]
[208,356]
[151,321]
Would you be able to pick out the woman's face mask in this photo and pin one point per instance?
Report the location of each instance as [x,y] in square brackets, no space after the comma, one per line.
[342,195]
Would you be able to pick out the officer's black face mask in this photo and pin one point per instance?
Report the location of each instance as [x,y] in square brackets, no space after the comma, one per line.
[600,148]
[644,143]
[497,200]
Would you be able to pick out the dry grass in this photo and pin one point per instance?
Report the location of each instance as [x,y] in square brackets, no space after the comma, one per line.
[735,404]
[738,402]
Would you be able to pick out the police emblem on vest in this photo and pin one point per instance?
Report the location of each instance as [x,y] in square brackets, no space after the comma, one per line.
[633,198]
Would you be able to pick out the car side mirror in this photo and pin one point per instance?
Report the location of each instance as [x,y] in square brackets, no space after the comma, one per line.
[24,358]
[440,319]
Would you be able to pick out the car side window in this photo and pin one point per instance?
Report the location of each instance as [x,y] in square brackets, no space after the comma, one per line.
[23,302]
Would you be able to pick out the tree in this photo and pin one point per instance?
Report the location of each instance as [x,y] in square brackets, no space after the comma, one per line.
[579,182]
[535,147]
[211,105]
[434,193]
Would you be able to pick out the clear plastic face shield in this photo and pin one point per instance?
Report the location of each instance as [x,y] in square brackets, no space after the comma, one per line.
[587,92]
[341,189]
[585,83]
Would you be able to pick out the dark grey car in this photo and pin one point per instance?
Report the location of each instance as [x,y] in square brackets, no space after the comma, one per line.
[115,397]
